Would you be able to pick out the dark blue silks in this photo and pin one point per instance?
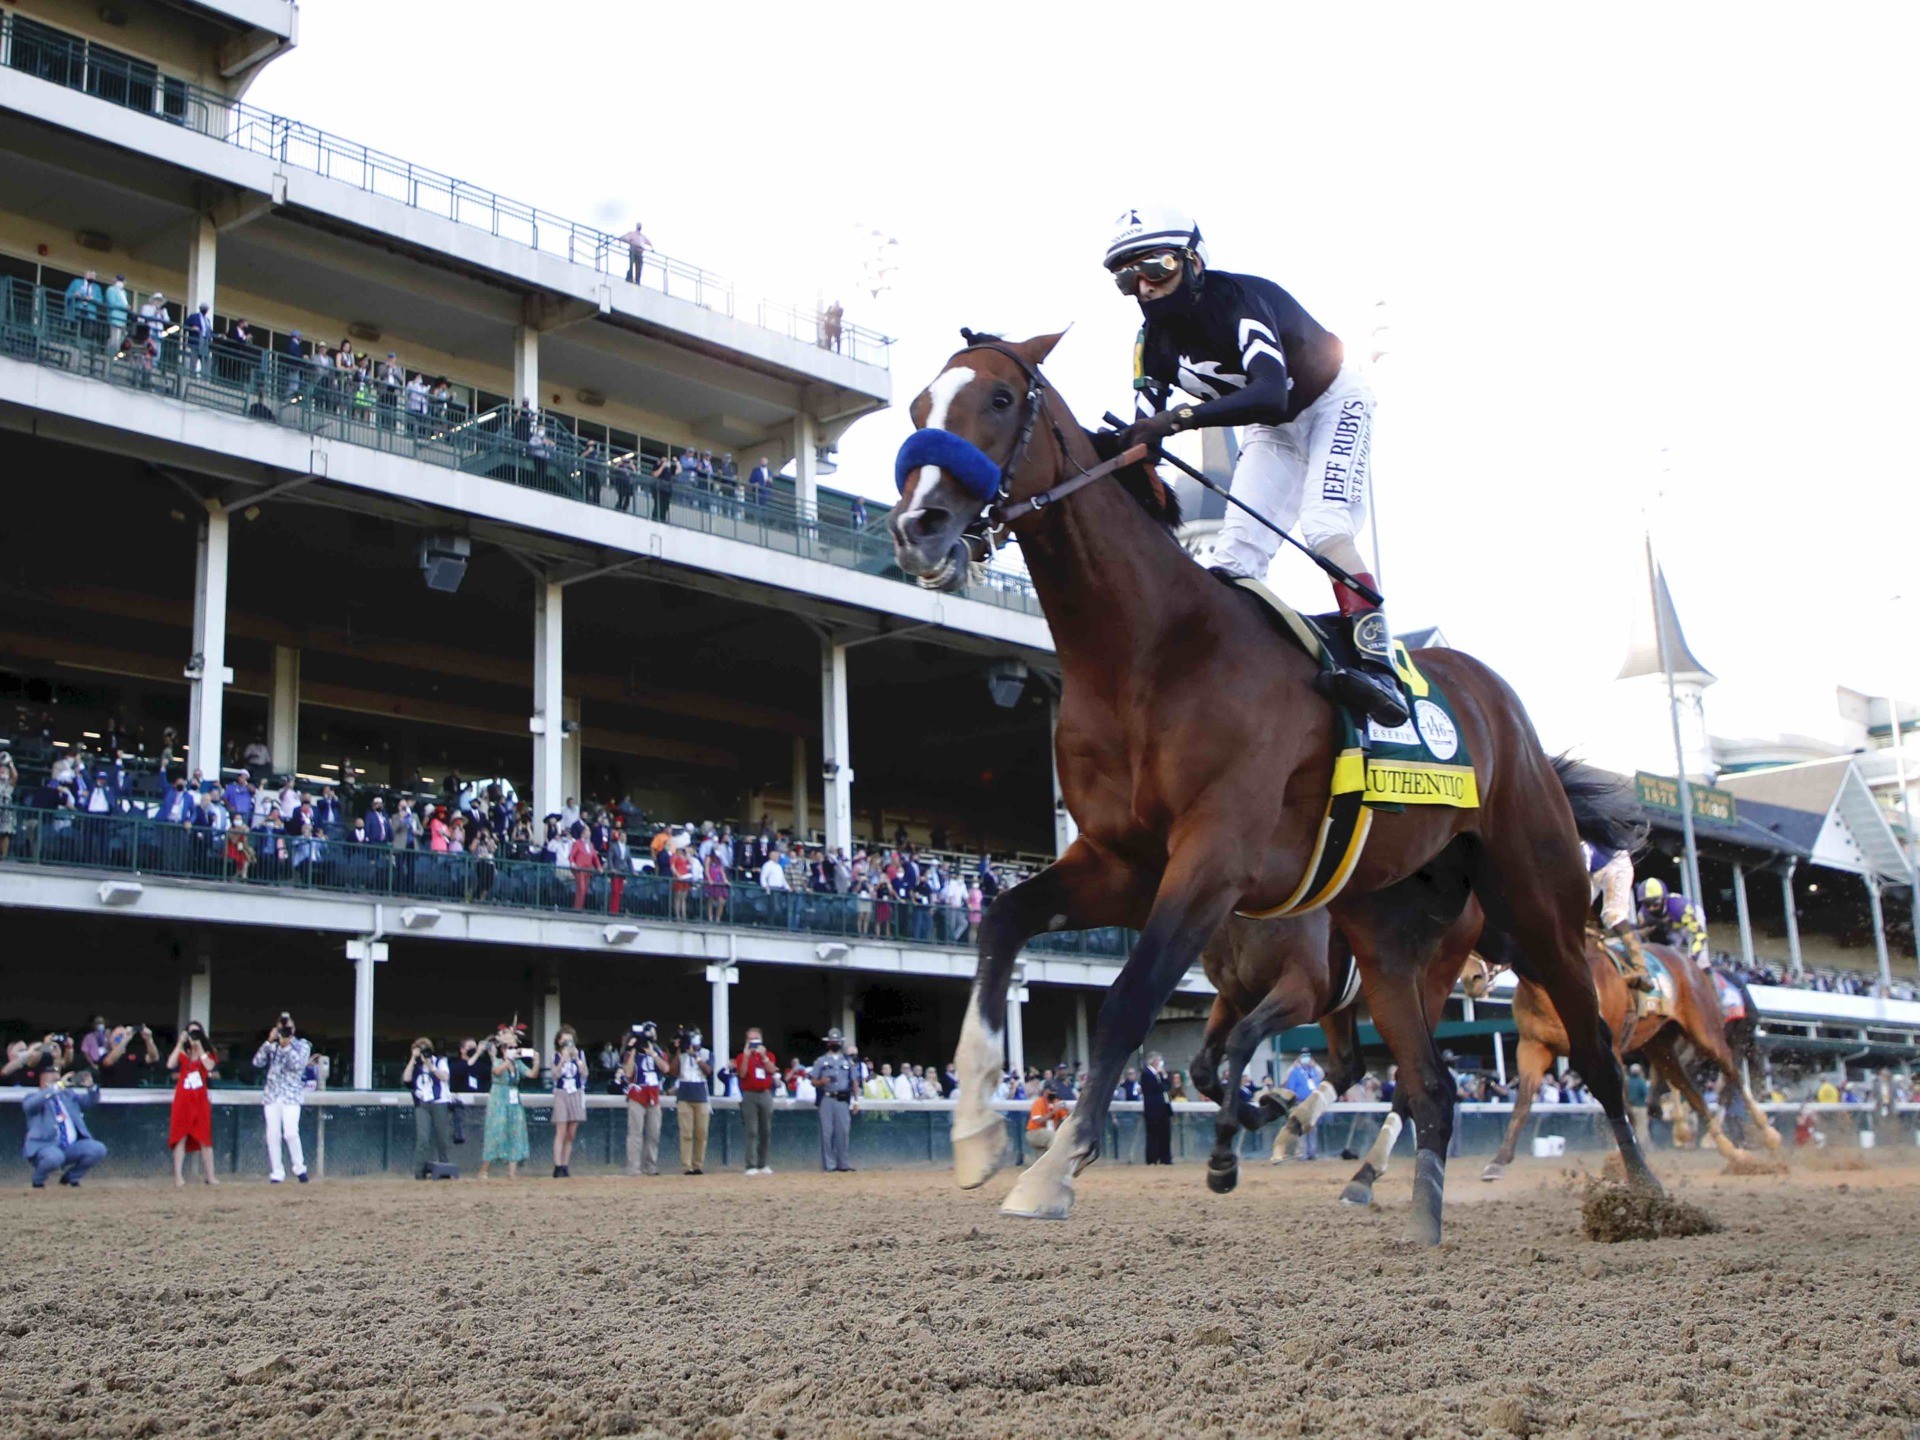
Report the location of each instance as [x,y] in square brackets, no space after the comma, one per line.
[966,462]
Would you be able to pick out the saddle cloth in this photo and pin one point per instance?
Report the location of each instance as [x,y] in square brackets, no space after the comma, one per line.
[1423,762]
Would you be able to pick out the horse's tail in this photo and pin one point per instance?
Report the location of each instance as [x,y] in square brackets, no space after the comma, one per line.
[1606,811]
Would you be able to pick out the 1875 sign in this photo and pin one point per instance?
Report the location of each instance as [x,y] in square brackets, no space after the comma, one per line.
[1659,792]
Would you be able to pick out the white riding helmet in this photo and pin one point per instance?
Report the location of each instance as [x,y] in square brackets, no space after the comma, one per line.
[1154,227]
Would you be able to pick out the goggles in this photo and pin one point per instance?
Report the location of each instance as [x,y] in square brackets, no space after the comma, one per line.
[1155,269]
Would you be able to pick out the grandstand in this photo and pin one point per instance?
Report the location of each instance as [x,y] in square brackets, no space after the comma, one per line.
[424,517]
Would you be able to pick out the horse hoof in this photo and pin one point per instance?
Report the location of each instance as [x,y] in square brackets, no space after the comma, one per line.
[978,1156]
[1038,1202]
[1356,1194]
[1494,1171]
[1222,1178]
[1429,1190]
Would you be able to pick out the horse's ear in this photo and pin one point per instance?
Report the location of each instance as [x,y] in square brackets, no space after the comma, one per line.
[1036,350]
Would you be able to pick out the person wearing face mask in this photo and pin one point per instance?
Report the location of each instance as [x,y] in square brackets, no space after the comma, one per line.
[757,1070]
[1251,356]
[1156,1111]
[693,1107]
[834,1079]
[567,1072]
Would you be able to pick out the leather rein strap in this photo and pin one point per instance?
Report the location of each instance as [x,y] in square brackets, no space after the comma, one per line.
[1001,515]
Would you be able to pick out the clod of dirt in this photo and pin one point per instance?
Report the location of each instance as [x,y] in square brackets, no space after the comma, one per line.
[1510,1415]
[271,1368]
[1750,1164]
[1612,1213]
[1213,1335]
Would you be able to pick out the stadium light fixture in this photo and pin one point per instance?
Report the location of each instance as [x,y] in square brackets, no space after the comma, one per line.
[116,893]
[1006,682]
[621,934]
[419,917]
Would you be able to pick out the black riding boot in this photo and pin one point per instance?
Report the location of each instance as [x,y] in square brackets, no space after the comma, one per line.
[1369,687]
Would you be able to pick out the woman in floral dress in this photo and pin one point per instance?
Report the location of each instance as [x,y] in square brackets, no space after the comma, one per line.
[506,1137]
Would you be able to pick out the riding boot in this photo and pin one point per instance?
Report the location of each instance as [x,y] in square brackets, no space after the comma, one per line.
[1370,686]
[1626,944]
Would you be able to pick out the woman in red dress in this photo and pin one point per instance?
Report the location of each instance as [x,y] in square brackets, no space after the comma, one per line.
[191,1125]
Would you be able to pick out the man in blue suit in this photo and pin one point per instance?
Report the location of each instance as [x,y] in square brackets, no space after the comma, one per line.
[57,1134]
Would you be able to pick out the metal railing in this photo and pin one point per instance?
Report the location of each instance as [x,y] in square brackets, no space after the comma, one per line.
[281,861]
[68,60]
[39,325]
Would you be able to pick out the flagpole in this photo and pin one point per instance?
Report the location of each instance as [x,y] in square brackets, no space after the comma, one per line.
[1679,746]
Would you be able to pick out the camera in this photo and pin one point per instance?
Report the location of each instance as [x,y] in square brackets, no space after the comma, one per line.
[683,1039]
[63,1041]
[424,1049]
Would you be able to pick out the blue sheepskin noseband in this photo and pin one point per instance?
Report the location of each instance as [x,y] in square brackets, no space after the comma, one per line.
[977,473]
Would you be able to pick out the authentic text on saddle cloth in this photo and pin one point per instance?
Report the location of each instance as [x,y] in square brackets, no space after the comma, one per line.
[1423,762]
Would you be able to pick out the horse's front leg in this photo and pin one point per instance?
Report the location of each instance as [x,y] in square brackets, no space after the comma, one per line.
[1193,900]
[1084,888]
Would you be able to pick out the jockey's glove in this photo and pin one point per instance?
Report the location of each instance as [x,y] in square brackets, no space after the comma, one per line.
[1152,429]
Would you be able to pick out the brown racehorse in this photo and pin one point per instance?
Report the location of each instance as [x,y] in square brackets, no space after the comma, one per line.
[1696,1019]
[1197,757]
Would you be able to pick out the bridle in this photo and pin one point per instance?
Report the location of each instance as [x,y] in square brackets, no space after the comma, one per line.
[985,530]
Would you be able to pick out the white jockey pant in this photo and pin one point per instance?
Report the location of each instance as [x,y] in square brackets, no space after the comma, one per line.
[283,1123]
[1312,472]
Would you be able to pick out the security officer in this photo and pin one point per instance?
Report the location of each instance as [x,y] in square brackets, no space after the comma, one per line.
[833,1083]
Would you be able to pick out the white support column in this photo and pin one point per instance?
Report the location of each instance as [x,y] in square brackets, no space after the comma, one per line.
[546,1014]
[1082,1052]
[526,368]
[803,480]
[1793,918]
[802,816]
[549,708]
[1746,917]
[196,985]
[364,954]
[849,1018]
[722,978]
[207,697]
[836,764]
[1499,1057]
[1016,1027]
[201,251]
[570,747]
[1065,832]
[1879,931]
[283,718]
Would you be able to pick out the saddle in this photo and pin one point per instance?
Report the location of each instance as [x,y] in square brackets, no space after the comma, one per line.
[1423,762]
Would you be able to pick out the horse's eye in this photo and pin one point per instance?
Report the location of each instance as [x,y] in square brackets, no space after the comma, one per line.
[1002,399]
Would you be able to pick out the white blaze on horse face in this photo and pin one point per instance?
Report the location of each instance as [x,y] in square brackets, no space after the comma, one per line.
[946,385]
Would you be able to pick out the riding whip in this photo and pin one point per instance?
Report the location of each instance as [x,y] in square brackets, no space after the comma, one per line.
[1364,591]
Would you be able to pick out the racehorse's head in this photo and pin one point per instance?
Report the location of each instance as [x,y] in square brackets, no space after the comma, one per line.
[977,425]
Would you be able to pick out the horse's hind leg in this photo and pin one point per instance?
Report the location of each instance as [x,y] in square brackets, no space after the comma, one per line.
[1345,1067]
[1534,1060]
[1083,888]
[1660,1051]
[1269,1017]
[1529,878]
[1204,1069]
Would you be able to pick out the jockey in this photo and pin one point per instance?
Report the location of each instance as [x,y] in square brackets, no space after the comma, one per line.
[1251,356]
[1611,875]
[1670,918]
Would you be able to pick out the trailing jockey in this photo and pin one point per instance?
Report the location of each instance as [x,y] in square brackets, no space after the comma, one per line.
[1669,918]
[1611,872]
[1251,356]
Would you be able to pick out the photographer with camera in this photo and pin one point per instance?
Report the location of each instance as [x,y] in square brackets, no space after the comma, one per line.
[283,1055]
[693,1073]
[190,1124]
[57,1134]
[469,1073]
[130,1050]
[757,1071]
[513,1063]
[568,1079]
[427,1075]
[642,1065]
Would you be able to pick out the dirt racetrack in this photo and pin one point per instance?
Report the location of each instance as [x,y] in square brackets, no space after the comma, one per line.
[890,1304]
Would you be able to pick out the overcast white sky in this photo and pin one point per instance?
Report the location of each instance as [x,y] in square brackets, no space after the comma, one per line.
[1603,232]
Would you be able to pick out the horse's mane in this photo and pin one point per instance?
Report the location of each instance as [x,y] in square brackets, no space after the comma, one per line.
[1140,481]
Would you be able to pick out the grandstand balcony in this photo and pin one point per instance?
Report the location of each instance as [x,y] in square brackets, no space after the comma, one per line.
[114,162]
